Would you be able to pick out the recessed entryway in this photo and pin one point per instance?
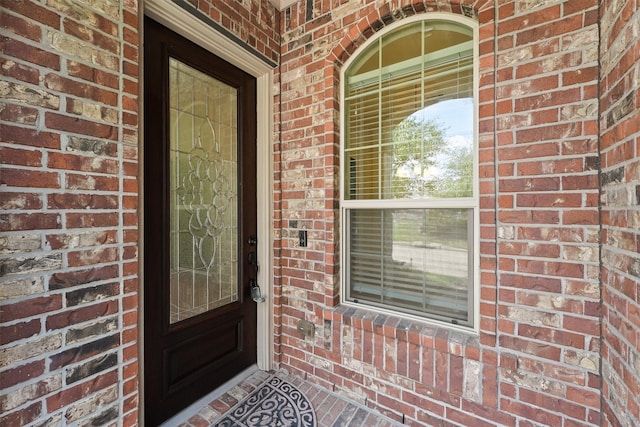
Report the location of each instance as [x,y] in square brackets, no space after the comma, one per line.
[203,34]
[200,214]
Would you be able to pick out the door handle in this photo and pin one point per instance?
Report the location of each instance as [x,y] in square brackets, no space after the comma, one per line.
[256,294]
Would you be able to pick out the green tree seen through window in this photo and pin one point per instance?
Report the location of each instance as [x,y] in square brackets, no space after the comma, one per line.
[426,164]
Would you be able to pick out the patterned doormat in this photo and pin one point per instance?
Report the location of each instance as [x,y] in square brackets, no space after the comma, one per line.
[274,404]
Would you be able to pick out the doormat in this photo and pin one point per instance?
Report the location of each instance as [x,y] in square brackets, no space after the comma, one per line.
[274,404]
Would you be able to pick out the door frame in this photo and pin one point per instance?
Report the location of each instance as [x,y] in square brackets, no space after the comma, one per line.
[191,27]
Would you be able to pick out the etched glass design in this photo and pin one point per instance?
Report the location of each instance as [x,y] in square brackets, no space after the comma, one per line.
[203,193]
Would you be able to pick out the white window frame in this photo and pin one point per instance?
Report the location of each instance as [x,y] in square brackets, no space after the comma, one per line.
[472,202]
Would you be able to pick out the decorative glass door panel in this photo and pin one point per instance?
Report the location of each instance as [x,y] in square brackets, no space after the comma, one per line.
[203,193]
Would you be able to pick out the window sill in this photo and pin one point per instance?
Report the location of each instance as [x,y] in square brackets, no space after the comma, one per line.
[451,339]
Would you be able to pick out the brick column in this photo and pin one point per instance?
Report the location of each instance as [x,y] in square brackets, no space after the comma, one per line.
[69,285]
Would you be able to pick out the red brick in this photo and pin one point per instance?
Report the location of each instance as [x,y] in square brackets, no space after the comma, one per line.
[75,162]
[92,256]
[80,315]
[585,217]
[31,307]
[21,27]
[23,416]
[131,53]
[129,353]
[29,178]
[81,201]
[18,113]
[18,331]
[82,277]
[93,75]
[36,12]
[80,391]
[131,420]
[396,405]
[80,126]
[129,103]
[530,249]
[90,220]
[11,156]
[91,182]
[553,404]
[35,221]
[531,412]
[130,18]
[456,374]
[71,240]
[584,75]
[30,137]
[98,21]
[466,418]
[24,201]
[539,217]
[130,36]
[26,52]
[90,294]
[83,352]
[81,90]
[87,34]
[130,69]
[538,349]
[552,335]
[19,71]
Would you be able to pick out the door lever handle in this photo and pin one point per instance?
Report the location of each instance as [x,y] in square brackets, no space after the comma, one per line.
[256,295]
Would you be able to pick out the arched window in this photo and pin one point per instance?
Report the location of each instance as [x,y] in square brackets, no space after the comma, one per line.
[409,166]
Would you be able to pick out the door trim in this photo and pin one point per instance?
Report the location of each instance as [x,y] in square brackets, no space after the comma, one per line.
[189,26]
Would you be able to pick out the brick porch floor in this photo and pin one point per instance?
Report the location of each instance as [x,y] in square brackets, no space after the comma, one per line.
[331,409]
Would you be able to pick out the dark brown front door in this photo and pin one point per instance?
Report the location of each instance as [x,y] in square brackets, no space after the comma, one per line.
[199,217]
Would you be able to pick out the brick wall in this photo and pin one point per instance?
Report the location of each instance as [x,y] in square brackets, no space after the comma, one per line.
[69,286]
[536,359]
[253,23]
[620,180]
[547,245]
